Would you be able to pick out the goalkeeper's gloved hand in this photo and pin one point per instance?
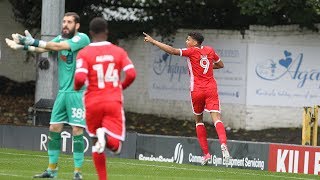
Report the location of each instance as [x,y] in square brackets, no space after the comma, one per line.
[24,40]
[13,45]
[28,40]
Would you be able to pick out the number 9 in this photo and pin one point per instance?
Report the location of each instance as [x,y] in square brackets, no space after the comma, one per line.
[204,63]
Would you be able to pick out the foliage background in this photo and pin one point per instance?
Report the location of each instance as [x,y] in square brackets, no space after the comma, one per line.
[131,17]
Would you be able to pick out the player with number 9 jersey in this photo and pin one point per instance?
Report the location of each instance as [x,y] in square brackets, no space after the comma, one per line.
[203,87]
[200,63]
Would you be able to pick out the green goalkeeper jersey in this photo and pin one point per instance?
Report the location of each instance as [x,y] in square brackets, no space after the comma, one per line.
[67,60]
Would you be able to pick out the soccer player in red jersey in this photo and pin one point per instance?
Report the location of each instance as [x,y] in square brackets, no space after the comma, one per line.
[100,63]
[203,87]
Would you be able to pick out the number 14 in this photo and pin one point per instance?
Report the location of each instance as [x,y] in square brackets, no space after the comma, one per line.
[111,75]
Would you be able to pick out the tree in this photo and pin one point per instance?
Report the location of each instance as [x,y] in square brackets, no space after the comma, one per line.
[27,12]
[166,16]
[275,12]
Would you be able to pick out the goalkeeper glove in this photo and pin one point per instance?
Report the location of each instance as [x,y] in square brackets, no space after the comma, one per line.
[28,40]
[13,45]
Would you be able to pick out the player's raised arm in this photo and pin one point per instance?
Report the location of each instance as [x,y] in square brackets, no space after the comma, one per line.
[165,47]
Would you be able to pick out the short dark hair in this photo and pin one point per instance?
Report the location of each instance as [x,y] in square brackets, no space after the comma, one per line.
[197,36]
[98,25]
[74,15]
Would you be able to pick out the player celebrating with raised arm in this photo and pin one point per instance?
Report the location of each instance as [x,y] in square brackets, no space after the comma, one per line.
[101,63]
[203,87]
[68,106]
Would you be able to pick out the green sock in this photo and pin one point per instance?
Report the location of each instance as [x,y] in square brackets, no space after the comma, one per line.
[78,151]
[54,147]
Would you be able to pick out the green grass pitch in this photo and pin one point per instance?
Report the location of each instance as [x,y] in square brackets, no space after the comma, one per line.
[17,164]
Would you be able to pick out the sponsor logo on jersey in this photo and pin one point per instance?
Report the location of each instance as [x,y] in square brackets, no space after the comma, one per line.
[63,58]
[67,59]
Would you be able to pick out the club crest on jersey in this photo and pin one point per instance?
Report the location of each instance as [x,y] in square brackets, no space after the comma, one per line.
[76,39]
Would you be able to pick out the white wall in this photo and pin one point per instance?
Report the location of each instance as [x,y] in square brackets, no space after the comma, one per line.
[12,63]
[241,115]
[138,98]
[261,117]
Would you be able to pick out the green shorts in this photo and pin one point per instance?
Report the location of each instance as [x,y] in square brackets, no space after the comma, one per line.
[68,109]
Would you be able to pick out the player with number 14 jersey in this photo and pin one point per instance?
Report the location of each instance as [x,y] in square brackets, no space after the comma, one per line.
[101,63]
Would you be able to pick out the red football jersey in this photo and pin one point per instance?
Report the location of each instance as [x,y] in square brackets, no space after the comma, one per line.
[103,62]
[200,63]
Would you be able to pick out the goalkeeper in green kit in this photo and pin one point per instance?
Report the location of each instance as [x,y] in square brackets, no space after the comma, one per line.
[68,106]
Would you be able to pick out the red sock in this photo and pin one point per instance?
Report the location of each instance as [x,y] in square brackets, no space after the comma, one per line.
[100,164]
[221,132]
[112,143]
[202,137]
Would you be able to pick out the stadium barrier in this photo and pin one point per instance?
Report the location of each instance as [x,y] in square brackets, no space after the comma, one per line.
[310,125]
[183,150]
[42,112]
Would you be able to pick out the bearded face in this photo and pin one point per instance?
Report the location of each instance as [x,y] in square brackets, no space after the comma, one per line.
[68,33]
[69,27]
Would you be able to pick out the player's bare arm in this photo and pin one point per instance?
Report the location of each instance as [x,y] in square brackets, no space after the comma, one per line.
[164,47]
[13,45]
[16,46]
[54,46]
[218,65]
[30,44]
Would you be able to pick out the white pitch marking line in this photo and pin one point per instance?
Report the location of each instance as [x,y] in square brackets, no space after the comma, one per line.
[166,167]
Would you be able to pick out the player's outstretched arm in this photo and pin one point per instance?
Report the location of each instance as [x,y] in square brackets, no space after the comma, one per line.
[57,46]
[165,47]
[13,45]
[49,46]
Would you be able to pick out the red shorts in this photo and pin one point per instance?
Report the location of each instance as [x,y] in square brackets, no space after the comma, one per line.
[205,100]
[107,114]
